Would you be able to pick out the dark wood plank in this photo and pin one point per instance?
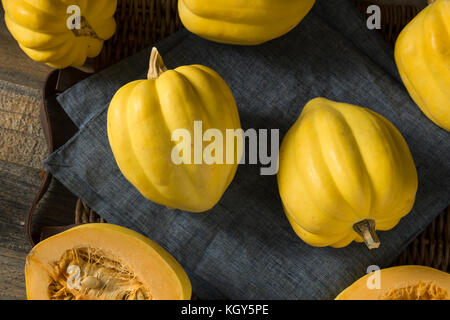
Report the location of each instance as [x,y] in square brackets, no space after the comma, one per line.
[22,149]
[13,244]
[18,187]
[20,125]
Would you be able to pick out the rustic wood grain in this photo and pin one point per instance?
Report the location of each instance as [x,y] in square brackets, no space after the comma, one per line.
[18,187]
[21,138]
[22,148]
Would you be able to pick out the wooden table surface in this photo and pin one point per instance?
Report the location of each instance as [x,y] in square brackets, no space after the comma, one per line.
[22,149]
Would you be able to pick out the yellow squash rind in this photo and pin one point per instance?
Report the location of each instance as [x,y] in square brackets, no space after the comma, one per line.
[422,53]
[40,28]
[242,22]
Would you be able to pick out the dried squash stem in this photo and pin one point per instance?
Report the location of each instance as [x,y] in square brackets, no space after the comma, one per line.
[156,66]
[366,229]
[86,30]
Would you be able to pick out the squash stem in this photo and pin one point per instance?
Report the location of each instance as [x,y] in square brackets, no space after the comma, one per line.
[366,229]
[156,65]
[86,30]
[430,1]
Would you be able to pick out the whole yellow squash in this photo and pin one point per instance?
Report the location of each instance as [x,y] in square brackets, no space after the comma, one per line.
[143,117]
[242,22]
[422,53]
[41,27]
[345,171]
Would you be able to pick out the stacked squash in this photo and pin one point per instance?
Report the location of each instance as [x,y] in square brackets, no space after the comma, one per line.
[345,171]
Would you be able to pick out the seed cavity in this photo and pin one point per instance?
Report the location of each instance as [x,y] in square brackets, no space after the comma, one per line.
[419,291]
[91,274]
[73,282]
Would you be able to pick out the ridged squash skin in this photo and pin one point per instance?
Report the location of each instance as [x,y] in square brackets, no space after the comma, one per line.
[340,165]
[401,283]
[422,53]
[144,114]
[242,22]
[40,28]
[148,262]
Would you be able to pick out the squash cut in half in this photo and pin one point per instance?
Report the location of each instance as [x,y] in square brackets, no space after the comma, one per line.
[103,262]
[401,283]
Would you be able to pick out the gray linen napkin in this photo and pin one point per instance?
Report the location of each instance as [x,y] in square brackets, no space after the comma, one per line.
[244,248]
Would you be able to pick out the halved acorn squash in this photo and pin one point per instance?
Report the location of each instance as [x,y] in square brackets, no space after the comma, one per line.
[401,283]
[102,261]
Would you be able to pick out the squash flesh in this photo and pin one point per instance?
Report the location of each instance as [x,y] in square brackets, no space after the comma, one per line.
[149,269]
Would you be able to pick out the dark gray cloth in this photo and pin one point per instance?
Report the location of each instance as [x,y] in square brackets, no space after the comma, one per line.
[244,248]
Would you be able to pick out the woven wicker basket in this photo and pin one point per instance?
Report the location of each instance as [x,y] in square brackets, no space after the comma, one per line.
[144,22]
[140,23]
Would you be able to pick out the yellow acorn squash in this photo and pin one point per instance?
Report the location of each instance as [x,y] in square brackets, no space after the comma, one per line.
[144,117]
[41,27]
[422,53]
[103,262]
[242,22]
[345,171]
[400,283]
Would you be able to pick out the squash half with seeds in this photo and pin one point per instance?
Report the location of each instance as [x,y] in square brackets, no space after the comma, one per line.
[400,283]
[103,262]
